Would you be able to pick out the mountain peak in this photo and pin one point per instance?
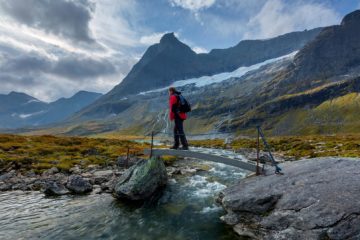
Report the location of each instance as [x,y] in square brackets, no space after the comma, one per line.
[351,18]
[85,93]
[20,94]
[17,93]
[168,38]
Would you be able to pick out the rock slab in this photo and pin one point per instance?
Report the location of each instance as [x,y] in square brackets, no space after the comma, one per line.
[315,199]
[141,181]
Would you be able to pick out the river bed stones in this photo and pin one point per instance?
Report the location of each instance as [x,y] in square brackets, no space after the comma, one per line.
[55,189]
[54,182]
[79,185]
[315,199]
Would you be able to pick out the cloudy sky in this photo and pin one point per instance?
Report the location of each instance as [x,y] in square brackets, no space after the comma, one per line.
[54,48]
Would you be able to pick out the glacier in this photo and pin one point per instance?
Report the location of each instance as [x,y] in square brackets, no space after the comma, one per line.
[207,80]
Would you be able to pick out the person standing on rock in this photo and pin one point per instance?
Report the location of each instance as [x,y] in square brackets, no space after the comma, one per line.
[178,116]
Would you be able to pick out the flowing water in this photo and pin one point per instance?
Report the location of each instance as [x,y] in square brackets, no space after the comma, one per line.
[186,210]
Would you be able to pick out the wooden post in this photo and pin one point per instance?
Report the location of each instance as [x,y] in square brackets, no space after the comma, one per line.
[127,157]
[152,144]
[258,151]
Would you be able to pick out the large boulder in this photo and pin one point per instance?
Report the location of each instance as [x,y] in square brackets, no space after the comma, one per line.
[77,184]
[142,180]
[315,199]
[55,189]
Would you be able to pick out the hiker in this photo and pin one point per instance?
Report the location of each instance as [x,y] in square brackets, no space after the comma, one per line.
[179,117]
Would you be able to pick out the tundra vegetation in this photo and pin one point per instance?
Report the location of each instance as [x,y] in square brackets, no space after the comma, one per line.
[40,153]
[296,147]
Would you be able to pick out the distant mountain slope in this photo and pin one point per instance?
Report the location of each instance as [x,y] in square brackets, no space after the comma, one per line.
[171,60]
[19,109]
[19,102]
[333,53]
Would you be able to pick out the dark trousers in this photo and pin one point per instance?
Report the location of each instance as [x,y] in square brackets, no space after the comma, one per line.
[179,134]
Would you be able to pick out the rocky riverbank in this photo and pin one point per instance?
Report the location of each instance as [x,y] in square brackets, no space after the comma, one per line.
[315,199]
[78,180]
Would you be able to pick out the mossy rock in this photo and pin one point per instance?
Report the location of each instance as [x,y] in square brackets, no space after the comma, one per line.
[141,181]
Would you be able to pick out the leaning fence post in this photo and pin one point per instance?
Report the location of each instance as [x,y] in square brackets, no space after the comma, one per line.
[152,144]
[258,151]
[127,157]
[277,168]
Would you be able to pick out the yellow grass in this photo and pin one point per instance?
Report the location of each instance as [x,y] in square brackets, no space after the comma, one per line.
[43,152]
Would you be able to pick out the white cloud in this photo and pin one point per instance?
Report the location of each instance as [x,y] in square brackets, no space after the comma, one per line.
[151,39]
[277,18]
[199,49]
[114,40]
[110,23]
[193,5]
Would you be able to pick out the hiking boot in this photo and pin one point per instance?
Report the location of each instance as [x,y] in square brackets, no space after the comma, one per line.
[184,148]
[174,147]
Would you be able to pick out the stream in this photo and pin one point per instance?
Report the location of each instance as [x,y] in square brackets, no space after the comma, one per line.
[186,210]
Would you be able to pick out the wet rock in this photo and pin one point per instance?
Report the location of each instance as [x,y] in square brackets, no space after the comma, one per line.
[29,181]
[92,167]
[5,186]
[30,173]
[102,176]
[187,171]
[60,177]
[109,186]
[38,185]
[53,170]
[77,184]
[103,173]
[87,175]
[315,199]
[7,175]
[96,189]
[173,171]
[141,181]
[75,170]
[230,218]
[20,186]
[55,189]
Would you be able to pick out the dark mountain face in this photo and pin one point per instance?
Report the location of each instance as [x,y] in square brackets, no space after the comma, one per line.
[18,109]
[250,52]
[171,60]
[65,107]
[19,102]
[334,52]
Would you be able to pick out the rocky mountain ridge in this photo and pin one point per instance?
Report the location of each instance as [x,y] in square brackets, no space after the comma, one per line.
[19,109]
[171,60]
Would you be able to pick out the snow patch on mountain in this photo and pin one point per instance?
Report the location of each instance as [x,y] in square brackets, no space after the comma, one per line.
[31,101]
[23,116]
[207,80]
